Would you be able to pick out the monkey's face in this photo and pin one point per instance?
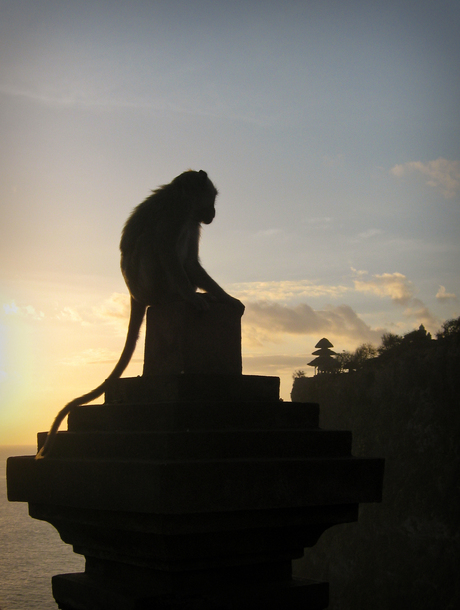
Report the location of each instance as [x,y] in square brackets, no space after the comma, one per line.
[206,210]
[201,192]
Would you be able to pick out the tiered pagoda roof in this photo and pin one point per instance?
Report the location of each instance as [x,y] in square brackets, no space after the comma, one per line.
[325,361]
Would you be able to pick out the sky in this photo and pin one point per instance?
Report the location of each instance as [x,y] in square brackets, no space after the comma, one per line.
[330,128]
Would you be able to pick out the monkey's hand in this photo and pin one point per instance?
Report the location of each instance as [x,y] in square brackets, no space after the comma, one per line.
[236,303]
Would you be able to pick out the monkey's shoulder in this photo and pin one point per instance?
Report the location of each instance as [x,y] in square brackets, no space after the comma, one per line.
[160,208]
[158,219]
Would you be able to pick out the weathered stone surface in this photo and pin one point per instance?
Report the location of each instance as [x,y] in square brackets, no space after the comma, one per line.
[295,594]
[180,487]
[240,456]
[182,340]
[193,388]
[203,415]
[200,444]
[194,504]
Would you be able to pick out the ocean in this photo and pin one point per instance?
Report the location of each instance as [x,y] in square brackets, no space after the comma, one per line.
[31,551]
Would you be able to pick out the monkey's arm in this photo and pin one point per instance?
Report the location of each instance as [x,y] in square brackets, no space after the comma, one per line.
[203,280]
[169,262]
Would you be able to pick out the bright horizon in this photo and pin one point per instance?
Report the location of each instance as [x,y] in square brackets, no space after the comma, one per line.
[331,130]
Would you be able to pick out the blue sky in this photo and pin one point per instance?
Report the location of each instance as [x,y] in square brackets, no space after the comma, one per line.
[331,130]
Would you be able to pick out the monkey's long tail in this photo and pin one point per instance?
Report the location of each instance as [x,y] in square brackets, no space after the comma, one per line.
[135,321]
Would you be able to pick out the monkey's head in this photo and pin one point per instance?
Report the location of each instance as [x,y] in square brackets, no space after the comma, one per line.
[198,189]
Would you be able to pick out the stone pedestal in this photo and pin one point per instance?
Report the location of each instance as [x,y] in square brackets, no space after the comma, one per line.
[193,491]
[183,505]
[181,340]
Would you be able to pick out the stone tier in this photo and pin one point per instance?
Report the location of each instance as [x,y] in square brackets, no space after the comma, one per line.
[192,388]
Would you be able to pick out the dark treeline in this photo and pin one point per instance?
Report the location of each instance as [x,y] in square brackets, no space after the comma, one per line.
[402,404]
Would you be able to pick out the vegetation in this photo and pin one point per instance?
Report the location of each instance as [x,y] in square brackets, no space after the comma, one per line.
[352,361]
[450,330]
[298,374]
[392,345]
[401,403]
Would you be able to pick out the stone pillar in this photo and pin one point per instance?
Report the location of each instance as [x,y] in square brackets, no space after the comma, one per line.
[181,340]
[193,491]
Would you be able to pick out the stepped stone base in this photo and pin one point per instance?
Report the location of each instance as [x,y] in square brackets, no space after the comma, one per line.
[293,595]
[194,505]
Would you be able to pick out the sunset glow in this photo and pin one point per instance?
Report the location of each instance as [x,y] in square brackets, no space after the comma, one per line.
[331,130]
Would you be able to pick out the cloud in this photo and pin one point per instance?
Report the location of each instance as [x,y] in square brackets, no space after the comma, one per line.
[420,312]
[318,223]
[285,291]
[73,95]
[10,308]
[268,233]
[369,233]
[262,362]
[319,220]
[98,355]
[273,364]
[365,235]
[401,291]
[394,285]
[115,310]
[442,174]
[117,307]
[24,310]
[273,308]
[31,311]
[69,314]
[265,321]
[442,295]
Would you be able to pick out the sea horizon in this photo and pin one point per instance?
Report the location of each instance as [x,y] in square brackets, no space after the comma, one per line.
[32,550]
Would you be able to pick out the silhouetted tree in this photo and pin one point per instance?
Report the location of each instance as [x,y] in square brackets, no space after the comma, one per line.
[364,352]
[298,374]
[355,360]
[450,330]
[417,338]
[390,342]
[344,360]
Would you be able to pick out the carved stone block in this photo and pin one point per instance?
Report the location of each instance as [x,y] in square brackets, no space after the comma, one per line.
[181,340]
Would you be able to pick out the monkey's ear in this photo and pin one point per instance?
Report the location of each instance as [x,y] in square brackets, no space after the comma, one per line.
[202,175]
